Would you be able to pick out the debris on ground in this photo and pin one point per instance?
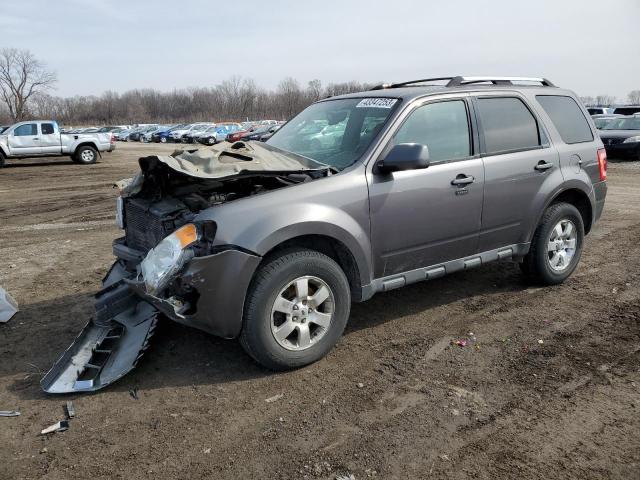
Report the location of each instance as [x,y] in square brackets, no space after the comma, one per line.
[461,342]
[360,385]
[134,393]
[348,476]
[71,411]
[275,398]
[56,427]
[9,413]
[8,306]
[541,341]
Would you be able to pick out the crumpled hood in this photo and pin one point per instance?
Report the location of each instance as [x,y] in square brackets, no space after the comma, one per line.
[221,162]
[225,161]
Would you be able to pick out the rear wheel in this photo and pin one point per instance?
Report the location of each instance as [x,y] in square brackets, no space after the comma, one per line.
[86,155]
[163,139]
[2,159]
[296,309]
[211,140]
[556,246]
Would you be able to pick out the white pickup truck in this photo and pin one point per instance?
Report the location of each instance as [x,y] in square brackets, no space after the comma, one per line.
[42,138]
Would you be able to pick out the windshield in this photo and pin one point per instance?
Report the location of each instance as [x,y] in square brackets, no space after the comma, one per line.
[631,123]
[335,132]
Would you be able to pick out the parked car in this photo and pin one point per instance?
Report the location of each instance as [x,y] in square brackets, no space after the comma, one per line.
[215,134]
[147,135]
[137,135]
[164,135]
[108,129]
[196,129]
[237,135]
[627,109]
[272,242]
[600,110]
[259,132]
[3,128]
[42,138]
[621,137]
[176,135]
[266,136]
[604,119]
[122,135]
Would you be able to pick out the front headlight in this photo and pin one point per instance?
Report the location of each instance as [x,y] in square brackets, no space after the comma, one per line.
[168,257]
[635,139]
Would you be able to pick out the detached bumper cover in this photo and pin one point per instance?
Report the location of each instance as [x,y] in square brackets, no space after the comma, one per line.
[106,349]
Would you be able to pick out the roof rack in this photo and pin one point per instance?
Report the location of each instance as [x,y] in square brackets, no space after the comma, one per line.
[460,80]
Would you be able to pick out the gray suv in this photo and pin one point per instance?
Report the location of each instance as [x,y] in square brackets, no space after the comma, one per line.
[358,194]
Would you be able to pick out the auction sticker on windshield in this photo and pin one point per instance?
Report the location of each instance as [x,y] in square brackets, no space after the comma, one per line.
[377,103]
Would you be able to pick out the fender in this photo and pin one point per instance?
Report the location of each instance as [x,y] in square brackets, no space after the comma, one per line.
[573,184]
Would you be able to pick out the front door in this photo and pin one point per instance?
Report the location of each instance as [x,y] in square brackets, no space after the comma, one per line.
[420,218]
[24,140]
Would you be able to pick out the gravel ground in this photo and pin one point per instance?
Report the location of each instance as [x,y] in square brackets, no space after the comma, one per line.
[548,386]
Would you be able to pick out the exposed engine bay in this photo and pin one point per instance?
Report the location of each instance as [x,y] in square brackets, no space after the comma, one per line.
[163,199]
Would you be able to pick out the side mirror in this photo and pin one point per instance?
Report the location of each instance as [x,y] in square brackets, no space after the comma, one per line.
[404,156]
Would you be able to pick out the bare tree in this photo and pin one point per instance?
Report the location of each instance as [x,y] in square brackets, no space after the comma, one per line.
[605,100]
[634,97]
[588,101]
[21,76]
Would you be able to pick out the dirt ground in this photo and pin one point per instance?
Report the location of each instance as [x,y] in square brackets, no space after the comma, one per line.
[548,386]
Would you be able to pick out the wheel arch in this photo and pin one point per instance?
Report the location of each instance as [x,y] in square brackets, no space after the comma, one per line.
[575,195]
[329,246]
[85,144]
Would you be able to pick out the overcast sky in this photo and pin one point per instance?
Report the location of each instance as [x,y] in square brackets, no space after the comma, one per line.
[95,45]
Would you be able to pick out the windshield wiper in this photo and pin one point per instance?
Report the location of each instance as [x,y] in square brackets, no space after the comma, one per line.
[324,165]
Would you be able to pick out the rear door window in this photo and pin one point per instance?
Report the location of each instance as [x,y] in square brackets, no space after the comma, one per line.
[508,125]
[47,128]
[568,118]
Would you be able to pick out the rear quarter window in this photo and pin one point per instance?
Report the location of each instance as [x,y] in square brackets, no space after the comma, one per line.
[567,117]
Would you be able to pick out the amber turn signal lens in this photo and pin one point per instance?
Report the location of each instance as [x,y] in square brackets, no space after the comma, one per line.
[187,234]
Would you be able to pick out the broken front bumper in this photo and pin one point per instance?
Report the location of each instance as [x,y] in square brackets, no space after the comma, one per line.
[110,345]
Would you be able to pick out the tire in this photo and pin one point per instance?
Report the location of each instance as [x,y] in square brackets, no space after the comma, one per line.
[163,140]
[552,230]
[2,160]
[211,141]
[275,280]
[86,155]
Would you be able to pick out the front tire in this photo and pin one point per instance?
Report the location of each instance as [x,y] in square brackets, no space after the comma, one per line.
[556,246]
[163,140]
[296,309]
[86,155]
[2,160]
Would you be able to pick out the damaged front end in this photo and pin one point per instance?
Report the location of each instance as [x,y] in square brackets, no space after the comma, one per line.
[168,263]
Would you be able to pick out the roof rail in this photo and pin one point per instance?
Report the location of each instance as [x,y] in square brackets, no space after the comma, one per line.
[457,81]
[460,80]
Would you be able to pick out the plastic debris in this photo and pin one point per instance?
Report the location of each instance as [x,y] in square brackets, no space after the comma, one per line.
[275,398]
[9,413]
[56,427]
[461,342]
[541,341]
[8,306]
[360,385]
[134,393]
[71,411]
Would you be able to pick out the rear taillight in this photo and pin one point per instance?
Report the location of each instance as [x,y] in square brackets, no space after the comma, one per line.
[113,138]
[602,163]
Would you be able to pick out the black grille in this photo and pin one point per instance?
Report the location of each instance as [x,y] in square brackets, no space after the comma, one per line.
[143,229]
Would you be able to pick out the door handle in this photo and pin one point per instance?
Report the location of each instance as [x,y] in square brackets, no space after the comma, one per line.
[462,180]
[543,166]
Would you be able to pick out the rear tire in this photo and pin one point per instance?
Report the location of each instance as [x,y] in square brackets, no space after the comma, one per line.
[2,160]
[163,140]
[302,292]
[556,246]
[86,155]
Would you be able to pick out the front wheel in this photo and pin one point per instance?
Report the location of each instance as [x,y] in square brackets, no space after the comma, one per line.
[2,160]
[556,246]
[163,140]
[86,155]
[296,309]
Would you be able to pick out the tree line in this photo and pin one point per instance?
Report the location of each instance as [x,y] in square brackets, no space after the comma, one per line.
[26,85]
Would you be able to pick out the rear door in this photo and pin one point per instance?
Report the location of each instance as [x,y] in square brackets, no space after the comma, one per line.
[49,138]
[418,217]
[24,140]
[521,168]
